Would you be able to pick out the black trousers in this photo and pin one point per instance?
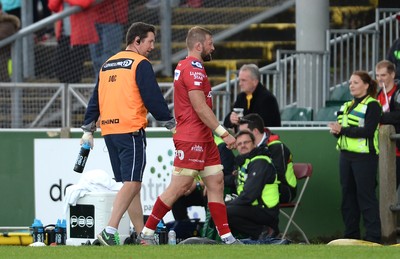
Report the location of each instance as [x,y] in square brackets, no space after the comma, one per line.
[287,193]
[358,181]
[251,220]
[195,198]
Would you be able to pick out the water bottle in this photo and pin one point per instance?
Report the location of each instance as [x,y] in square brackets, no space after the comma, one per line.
[161,233]
[61,230]
[82,158]
[172,237]
[37,231]
[51,234]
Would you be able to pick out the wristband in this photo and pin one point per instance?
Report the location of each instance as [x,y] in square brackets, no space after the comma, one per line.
[220,131]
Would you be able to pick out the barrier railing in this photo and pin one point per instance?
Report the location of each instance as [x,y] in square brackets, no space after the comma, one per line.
[51,105]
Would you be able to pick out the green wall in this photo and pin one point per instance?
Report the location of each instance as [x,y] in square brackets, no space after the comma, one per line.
[319,214]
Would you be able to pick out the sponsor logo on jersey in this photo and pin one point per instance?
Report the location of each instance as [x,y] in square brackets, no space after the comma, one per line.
[177,74]
[109,121]
[197,83]
[117,63]
[197,148]
[197,75]
[197,64]
[196,160]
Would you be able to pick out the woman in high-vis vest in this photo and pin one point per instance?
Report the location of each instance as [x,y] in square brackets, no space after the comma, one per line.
[357,132]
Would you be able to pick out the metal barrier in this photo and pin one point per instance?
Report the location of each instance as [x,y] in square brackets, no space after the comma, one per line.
[350,50]
[281,77]
[347,50]
[51,105]
[302,73]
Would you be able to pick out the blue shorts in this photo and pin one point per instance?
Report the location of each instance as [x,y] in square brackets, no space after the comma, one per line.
[127,155]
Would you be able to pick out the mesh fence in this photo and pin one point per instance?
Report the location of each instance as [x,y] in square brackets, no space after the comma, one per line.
[72,58]
[67,52]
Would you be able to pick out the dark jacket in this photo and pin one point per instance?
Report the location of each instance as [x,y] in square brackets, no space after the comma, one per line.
[281,157]
[263,103]
[262,173]
[393,117]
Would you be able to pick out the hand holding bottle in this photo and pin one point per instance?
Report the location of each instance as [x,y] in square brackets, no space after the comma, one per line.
[87,139]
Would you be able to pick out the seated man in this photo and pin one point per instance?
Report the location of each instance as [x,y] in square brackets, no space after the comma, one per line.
[257,204]
[280,154]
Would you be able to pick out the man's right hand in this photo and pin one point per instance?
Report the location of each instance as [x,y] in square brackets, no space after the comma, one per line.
[234,118]
[87,138]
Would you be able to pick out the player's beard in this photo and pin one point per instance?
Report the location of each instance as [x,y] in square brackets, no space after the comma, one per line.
[206,57]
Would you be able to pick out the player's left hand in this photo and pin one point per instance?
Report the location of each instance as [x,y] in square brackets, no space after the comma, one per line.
[230,141]
[87,138]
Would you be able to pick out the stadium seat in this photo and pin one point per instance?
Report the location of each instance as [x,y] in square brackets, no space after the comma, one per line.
[327,113]
[341,93]
[303,171]
[297,114]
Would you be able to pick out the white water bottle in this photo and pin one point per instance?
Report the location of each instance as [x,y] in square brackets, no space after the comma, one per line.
[171,237]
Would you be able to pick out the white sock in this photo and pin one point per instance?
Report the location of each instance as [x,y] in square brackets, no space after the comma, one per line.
[147,231]
[111,230]
[228,238]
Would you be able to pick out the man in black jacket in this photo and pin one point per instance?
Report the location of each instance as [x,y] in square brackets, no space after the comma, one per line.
[256,207]
[279,153]
[254,98]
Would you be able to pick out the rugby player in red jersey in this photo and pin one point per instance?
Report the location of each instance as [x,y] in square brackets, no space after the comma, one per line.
[196,152]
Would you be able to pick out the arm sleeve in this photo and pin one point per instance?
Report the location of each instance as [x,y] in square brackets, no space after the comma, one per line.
[151,93]
[372,118]
[270,113]
[260,173]
[392,117]
[55,5]
[277,155]
[239,103]
[227,121]
[93,111]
